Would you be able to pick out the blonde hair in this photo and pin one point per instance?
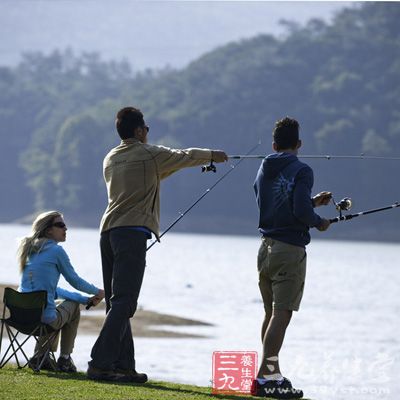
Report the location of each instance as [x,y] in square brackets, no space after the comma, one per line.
[35,241]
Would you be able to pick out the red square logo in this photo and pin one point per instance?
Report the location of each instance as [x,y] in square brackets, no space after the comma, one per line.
[233,371]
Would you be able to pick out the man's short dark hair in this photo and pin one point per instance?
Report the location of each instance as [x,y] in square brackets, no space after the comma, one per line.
[286,133]
[128,119]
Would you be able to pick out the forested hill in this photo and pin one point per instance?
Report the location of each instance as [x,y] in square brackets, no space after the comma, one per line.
[340,80]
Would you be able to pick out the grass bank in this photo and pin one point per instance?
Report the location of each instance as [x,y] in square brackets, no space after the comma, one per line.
[24,384]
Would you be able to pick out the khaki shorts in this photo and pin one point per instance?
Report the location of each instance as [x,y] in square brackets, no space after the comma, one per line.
[282,272]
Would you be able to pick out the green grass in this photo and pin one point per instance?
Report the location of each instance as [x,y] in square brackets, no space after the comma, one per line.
[24,384]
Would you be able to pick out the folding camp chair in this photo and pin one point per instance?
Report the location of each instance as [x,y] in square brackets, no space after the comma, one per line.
[25,312]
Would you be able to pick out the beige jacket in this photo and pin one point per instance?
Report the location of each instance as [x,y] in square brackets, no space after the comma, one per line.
[133,172]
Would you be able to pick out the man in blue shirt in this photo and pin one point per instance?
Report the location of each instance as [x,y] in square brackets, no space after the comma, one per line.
[283,191]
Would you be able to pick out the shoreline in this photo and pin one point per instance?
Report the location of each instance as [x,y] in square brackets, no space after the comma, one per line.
[145,323]
[362,234]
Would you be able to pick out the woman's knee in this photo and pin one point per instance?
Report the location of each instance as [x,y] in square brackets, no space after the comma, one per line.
[70,310]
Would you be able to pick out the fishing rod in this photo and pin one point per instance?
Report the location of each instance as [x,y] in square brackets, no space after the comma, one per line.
[345,205]
[326,157]
[206,168]
[375,210]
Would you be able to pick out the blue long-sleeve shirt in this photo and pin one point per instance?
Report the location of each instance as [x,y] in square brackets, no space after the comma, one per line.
[283,192]
[42,272]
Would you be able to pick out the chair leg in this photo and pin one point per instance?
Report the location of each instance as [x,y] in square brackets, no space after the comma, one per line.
[12,339]
[1,333]
[51,337]
[17,344]
[45,350]
[52,358]
[2,363]
[19,347]
[2,325]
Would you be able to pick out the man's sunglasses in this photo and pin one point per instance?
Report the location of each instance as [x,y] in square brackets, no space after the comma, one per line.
[59,225]
[146,127]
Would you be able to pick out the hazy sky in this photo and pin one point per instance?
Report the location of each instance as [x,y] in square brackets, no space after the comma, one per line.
[146,33]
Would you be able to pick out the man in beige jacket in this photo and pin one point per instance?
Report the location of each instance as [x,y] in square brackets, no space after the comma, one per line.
[132,172]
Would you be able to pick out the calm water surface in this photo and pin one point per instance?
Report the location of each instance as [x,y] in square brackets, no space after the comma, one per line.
[342,344]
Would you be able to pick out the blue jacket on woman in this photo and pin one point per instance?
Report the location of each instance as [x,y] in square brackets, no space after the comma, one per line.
[42,272]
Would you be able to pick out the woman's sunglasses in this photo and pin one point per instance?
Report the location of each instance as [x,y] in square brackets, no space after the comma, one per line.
[59,225]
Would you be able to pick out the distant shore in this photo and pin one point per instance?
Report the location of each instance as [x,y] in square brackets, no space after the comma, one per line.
[145,323]
[360,231]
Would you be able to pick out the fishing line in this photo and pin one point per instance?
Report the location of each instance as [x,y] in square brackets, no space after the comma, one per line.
[326,157]
[210,167]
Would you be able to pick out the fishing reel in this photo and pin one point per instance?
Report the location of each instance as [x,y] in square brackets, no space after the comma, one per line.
[343,205]
[209,167]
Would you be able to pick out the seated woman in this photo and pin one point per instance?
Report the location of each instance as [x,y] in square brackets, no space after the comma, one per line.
[42,261]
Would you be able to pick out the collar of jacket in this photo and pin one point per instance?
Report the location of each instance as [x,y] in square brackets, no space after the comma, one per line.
[130,141]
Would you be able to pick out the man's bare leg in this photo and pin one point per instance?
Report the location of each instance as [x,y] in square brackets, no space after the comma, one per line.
[273,331]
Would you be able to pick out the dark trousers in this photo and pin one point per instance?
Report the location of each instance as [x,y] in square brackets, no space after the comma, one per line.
[123,256]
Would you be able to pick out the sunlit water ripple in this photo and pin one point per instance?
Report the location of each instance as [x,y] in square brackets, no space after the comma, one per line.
[343,344]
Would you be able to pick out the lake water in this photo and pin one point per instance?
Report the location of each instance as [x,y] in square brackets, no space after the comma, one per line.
[342,344]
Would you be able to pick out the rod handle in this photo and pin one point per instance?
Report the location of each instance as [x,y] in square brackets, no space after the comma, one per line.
[342,218]
[89,305]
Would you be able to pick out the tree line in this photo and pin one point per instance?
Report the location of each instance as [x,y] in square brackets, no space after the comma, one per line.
[339,79]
